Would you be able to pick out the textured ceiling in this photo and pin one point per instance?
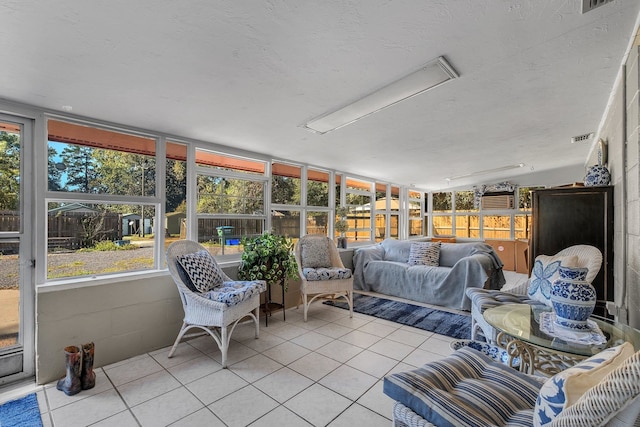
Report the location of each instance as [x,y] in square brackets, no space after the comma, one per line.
[249,74]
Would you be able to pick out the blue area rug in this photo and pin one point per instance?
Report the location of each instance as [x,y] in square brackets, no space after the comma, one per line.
[441,322]
[21,412]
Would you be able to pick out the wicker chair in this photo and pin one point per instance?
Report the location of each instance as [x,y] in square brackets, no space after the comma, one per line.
[330,279]
[481,299]
[212,317]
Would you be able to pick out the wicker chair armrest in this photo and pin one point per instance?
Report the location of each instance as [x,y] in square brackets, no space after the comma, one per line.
[194,299]
[618,392]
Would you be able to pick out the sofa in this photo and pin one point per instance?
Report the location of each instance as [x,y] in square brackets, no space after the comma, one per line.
[385,269]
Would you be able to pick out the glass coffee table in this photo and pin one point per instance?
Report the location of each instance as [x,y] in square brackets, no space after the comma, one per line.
[518,327]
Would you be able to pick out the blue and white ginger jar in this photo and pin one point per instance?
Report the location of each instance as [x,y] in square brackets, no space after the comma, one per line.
[573,298]
[597,175]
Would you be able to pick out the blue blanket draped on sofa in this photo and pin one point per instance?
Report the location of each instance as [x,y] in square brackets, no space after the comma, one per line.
[384,268]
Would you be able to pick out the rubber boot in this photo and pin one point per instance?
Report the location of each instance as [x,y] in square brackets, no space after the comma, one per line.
[70,384]
[88,377]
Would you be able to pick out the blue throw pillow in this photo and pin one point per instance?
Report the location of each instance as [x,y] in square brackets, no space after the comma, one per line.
[424,253]
[545,272]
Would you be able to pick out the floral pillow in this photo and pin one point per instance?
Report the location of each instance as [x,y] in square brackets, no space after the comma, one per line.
[314,252]
[425,253]
[545,272]
[201,270]
[565,388]
[232,293]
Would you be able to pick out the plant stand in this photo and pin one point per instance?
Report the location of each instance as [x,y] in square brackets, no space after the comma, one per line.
[270,306]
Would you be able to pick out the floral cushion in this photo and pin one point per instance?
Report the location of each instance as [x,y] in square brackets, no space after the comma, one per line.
[202,272]
[424,253]
[333,273]
[565,388]
[545,272]
[232,293]
[314,252]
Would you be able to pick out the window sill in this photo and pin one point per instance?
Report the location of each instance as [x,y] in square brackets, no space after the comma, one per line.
[83,282]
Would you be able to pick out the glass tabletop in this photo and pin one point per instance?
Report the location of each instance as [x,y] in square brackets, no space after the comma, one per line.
[522,321]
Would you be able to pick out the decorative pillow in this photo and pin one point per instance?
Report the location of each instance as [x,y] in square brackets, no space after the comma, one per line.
[614,401]
[202,271]
[565,388]
[314,252]
[545,272]
[232,293]
[425,253]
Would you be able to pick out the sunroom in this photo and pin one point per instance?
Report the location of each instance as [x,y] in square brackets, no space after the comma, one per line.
[122,132]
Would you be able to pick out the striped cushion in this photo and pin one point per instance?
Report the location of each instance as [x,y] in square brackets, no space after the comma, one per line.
[333,273]
[424,253]
[466,388]
[487,298]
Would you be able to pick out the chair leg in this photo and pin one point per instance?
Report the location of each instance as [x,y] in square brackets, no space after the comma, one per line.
[350,299]
[305,305]
[474,326]
[175,344]
[225,345]
[256,313]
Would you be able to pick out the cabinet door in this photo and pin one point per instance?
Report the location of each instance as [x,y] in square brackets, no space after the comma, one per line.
[576,216]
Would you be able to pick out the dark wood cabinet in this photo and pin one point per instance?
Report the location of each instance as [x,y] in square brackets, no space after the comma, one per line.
[567,216]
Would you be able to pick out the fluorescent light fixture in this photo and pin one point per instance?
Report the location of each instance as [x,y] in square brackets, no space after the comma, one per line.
[430,75]
[500,169]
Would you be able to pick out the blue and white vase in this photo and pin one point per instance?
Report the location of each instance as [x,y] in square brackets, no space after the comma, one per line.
[597,175]
[573,298]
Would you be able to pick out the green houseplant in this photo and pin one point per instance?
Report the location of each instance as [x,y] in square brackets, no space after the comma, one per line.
[268,257]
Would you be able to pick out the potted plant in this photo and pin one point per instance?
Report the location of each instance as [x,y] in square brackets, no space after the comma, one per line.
[268,257]
[342,226]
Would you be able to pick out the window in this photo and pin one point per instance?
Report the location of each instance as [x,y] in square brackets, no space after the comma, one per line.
[10,181]
[496,227]
[90,239]
[415,214]
[317,188]
[286,223]
[442,218]
[522,222]
[358,198]
[101,201]
[387,208]
[466,225]
[176,191]
[317,223]
[285,184]
[230,201]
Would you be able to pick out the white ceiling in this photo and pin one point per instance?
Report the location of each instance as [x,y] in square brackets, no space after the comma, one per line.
[249,74]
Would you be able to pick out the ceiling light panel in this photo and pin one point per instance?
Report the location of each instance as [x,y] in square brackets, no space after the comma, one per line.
[430,75]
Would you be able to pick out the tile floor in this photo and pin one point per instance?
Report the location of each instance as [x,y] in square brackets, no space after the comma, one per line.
[327,371]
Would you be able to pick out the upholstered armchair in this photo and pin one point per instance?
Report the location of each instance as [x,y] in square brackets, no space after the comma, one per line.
[322,272]
[212,302]
[536,290]
[469,388]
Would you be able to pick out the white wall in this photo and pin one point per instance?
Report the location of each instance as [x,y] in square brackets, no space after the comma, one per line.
[620,130]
